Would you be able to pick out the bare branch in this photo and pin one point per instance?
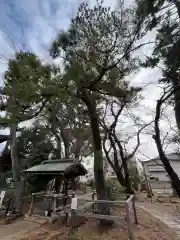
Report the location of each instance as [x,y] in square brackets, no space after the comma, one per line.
[138,139]
[151,159]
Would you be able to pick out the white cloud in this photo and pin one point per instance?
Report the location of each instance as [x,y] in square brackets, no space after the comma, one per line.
[43,27]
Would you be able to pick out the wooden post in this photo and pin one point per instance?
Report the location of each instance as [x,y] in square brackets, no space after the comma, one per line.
[93,197]
[66,217]
[66,212]
[31,206]
[129,222]
[73,214]
[134,209]
[148,185]
[54,204]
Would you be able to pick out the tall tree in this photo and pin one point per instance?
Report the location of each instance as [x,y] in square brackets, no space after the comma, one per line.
[31,92]
[97,51]
[115,141]
[25,94]
[69,125]
[164,15]
[168,92]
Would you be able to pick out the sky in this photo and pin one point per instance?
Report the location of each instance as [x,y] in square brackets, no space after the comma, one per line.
[33,24]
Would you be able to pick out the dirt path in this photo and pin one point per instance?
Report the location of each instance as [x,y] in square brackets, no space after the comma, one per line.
[21,227]
[171,220]
[14,230]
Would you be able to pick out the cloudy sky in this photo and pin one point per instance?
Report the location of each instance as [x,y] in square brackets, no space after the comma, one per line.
[32,24]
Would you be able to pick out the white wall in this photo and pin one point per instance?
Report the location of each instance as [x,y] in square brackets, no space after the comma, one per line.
[161,174]
[176,166]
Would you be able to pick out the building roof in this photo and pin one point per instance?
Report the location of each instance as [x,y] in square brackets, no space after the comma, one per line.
[170,156]
[4,138]
[61,166]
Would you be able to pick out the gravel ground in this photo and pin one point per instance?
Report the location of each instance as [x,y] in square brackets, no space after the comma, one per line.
[149,228]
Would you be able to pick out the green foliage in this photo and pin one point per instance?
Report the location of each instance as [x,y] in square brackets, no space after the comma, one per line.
[34,145]
[166,49]
[98,52]
[135,177]
[34,90]
[24,83]
[113,188]
[165,17]
[92,45]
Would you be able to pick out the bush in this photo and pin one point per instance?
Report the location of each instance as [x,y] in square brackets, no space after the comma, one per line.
[113,188]
[135,178]
[91,184]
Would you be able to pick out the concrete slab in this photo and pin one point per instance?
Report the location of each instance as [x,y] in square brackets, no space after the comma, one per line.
[171,221]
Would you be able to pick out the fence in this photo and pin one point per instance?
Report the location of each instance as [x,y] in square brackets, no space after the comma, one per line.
[45,204]
[88,207]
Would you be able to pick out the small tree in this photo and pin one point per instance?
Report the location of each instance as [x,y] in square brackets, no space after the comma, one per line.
[135,177]
[114,142]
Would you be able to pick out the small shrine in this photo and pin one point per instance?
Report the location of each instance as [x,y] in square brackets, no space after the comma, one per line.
[60,179]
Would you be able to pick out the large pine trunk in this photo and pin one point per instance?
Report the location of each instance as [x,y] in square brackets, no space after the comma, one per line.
[128,185]
[98,156]
[177,104]
[13,150]
[172,175]
[98,166]
[177,108]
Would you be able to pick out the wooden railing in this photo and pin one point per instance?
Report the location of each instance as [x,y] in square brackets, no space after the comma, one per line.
[130,216]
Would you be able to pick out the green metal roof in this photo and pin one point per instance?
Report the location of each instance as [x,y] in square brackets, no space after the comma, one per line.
[63,166]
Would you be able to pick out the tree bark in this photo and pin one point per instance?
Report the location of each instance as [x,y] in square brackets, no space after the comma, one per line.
[65,142]
[124,179]
[124,159]
[98,157]
[128,185]
[54,124]
[172,174]
[13,151]
[177,108]
[97,144]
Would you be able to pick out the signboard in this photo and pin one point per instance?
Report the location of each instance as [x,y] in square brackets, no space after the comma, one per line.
[74,203]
